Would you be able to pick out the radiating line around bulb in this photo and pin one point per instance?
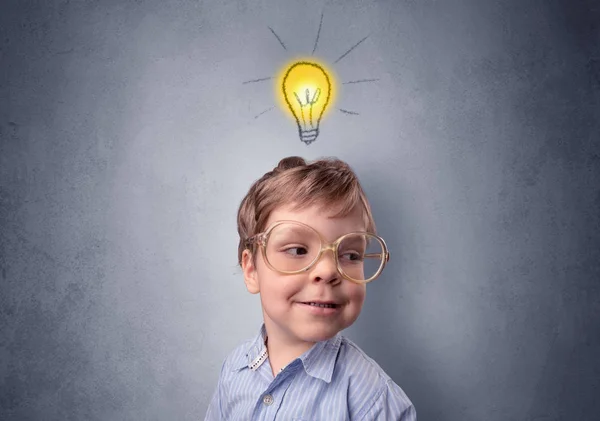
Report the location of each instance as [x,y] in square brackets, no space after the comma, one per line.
[318,34]
[265,111]
[278,39]
[257,80]
[360,81]
[351,48]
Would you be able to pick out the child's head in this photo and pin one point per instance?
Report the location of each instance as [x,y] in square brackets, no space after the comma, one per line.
[324,202]
[329,183]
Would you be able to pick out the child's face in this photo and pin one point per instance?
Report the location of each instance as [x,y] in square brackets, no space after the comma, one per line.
[284,297]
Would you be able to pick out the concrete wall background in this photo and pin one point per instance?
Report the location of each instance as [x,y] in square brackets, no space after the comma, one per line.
[127,140]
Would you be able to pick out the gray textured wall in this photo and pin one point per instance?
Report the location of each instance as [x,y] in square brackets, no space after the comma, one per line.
[127,140]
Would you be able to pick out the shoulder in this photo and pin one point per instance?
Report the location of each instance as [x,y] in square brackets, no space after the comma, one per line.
[237,357]
[370,389]
[219,407]
[354,362]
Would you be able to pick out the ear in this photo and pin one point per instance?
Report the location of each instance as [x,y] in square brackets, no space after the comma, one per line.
[250,273]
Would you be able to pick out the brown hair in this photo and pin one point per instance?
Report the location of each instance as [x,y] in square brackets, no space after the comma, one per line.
[328,181]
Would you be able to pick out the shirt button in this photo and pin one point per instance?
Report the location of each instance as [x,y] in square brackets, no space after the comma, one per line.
[268,400]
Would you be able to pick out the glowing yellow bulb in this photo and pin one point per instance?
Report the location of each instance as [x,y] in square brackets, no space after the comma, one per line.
[306,89]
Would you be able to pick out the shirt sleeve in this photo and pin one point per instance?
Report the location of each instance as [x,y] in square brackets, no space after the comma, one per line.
[215,412]
[392,404]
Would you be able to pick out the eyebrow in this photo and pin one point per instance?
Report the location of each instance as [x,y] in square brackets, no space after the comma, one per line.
[298,230]
[357,241]
[293,229]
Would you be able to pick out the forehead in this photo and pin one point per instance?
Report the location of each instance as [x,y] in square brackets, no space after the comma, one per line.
[321,218]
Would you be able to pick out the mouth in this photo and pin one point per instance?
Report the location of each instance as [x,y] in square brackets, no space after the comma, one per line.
[321,304]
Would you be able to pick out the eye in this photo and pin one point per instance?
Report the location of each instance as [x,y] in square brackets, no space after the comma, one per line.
[296,251]
[351,256]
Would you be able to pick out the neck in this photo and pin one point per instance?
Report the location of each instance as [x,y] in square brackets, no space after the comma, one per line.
[282,352]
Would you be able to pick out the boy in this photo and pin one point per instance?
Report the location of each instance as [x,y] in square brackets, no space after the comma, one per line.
[308,247]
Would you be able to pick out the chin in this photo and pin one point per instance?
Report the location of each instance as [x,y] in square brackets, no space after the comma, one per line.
[320,335]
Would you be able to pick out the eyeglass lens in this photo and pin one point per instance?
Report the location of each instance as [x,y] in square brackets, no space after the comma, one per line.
[293,247]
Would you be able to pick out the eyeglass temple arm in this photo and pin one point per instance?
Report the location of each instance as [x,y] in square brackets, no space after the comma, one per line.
[378,255]
[254,239]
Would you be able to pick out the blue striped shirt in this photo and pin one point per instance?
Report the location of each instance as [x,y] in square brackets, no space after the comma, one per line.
[334,380]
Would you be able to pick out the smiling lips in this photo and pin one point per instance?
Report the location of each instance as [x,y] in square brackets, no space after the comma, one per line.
[321,304]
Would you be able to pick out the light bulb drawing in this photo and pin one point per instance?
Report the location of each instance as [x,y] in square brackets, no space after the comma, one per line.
[306,88]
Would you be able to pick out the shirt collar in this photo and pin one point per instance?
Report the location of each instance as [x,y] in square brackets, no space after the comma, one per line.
[249,358]
[318,361]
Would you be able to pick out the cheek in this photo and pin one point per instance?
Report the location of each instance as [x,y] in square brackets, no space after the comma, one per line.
[357,294]
[276,288]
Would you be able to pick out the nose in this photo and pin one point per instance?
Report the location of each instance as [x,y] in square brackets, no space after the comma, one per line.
[325,269]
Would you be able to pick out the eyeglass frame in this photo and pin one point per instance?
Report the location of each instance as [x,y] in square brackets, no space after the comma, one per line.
[262,238]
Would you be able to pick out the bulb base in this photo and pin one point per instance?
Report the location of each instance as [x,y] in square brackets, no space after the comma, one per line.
[309,136]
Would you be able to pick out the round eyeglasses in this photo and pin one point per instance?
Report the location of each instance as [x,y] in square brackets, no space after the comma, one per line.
[291,247]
